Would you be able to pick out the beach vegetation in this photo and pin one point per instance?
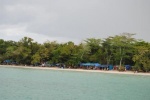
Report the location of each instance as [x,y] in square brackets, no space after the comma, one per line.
[120,50]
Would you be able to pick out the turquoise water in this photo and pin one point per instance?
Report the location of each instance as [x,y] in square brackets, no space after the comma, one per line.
[35,84]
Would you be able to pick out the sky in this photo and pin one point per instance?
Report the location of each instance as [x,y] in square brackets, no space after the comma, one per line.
[73,20]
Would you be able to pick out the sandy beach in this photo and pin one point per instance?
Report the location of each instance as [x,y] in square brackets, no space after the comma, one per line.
[78,70]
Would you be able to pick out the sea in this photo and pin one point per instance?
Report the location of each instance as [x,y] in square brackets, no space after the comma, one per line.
[40,84]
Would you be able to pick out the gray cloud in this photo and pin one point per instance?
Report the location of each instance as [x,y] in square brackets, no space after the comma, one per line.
[77,19]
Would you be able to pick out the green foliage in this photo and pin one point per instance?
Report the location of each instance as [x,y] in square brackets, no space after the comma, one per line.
[117,50]
[123,46]
[92,49]
[142,56]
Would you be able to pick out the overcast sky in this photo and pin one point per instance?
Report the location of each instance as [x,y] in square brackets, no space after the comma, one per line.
[73,20]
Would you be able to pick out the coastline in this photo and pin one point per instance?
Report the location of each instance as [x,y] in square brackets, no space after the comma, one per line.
[78,70]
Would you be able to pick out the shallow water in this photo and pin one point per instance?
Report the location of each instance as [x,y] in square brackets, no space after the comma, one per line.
[35,84]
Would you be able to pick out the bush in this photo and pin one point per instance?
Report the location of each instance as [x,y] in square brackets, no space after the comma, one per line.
[135,68]
[121,68]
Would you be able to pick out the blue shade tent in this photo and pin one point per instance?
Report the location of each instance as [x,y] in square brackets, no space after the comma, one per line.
[7,61]
[104,66]
[128,67]
[90,64]
[97,64]
[110,67]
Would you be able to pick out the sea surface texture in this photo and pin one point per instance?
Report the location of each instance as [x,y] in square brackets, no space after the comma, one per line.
[37,84]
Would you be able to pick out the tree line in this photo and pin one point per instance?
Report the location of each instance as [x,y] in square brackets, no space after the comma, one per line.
[116,50]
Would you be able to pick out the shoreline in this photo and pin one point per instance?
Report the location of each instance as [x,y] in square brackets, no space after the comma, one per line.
[78,70]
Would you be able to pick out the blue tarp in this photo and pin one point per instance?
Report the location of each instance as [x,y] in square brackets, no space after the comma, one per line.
[104,66]
[90,64]
[110,67]
[128,67]
[7,61]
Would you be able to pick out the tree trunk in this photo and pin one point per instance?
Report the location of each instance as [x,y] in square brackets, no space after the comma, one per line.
[121,62]
[108,60]
[120,57]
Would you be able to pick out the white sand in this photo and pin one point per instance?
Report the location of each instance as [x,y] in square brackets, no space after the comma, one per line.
[79,70]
